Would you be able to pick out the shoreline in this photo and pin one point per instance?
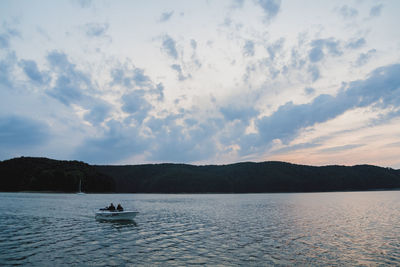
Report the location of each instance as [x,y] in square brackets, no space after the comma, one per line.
[200,193]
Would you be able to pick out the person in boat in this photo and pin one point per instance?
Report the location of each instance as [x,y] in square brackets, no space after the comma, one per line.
[120,208]
[111,207]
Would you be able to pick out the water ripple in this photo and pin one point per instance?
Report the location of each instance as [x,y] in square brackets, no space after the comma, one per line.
[228,230]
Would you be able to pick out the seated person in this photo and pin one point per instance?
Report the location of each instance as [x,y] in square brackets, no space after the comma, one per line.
[111,207]
[120,208]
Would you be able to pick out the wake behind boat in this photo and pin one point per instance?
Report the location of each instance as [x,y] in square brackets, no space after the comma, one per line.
[115,215]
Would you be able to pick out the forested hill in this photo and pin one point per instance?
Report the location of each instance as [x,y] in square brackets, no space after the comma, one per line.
[249,177]
[41,174]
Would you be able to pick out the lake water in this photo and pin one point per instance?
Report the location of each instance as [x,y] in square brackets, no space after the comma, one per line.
[349,228]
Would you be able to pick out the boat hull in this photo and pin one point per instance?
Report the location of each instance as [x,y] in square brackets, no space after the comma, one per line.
[116,215]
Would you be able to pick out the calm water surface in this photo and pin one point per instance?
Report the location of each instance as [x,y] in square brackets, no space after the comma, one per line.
[350,228]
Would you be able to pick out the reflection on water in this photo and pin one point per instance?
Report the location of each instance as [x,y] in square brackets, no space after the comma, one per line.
[351,228]
[123,223]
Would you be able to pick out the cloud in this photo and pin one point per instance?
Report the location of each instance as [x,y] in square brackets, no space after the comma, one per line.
[309,91]
[166,16]
[117,143]
[96,29]
[178,69]
[314,72]
[321,46]
[237,3]
[31,70]
[355,44]
[129,77]
[135,78]
[340,148]
[193,43]
[4,41]
[248,48]
[363,58]
[316,54]
[376,10]
[169,141]
[6,68]
[169,46]
[347,12]
[139,78]
[84,3]
[276,47]
[21,132]
[270,7]
[136,105]
[70,82]
[176,143]
[5,36]
[235,112]
[98,111]
[73,87]
[381,88]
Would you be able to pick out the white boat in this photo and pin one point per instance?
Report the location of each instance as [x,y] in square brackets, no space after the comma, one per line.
[115,215]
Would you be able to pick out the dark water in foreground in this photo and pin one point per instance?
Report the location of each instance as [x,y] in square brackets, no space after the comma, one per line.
[351,228]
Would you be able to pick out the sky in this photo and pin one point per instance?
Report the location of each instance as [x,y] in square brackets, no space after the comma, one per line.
[201,82]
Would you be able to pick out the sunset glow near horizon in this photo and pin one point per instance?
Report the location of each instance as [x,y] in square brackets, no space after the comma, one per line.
[201,82]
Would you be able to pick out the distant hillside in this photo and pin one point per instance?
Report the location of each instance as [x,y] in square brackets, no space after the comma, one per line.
[41,174]
[249,177]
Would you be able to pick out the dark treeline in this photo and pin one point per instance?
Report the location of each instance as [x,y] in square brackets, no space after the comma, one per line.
[249,177]
[41,174]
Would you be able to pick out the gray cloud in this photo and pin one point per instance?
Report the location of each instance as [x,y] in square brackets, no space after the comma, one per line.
[235,112]
[193,43]
[70,82]
[4,41]
[136,105]
[314,72]
[6,36]
[270,7]
[248,48]
[96,29]
[276,47]
[347,12]
[237,3]
[21,132]
[376,10]
[363,58]
[178,69]
[166,16]
[182,144]
[319,46]
[135,78]
[84,3]
[355,44]
[72,86]
[309,91]
[31,70]
[118,143]
[169,46]
[98,112]
[381,88]
[6,67]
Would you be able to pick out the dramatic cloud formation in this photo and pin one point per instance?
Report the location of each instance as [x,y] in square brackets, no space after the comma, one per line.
[207,82]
